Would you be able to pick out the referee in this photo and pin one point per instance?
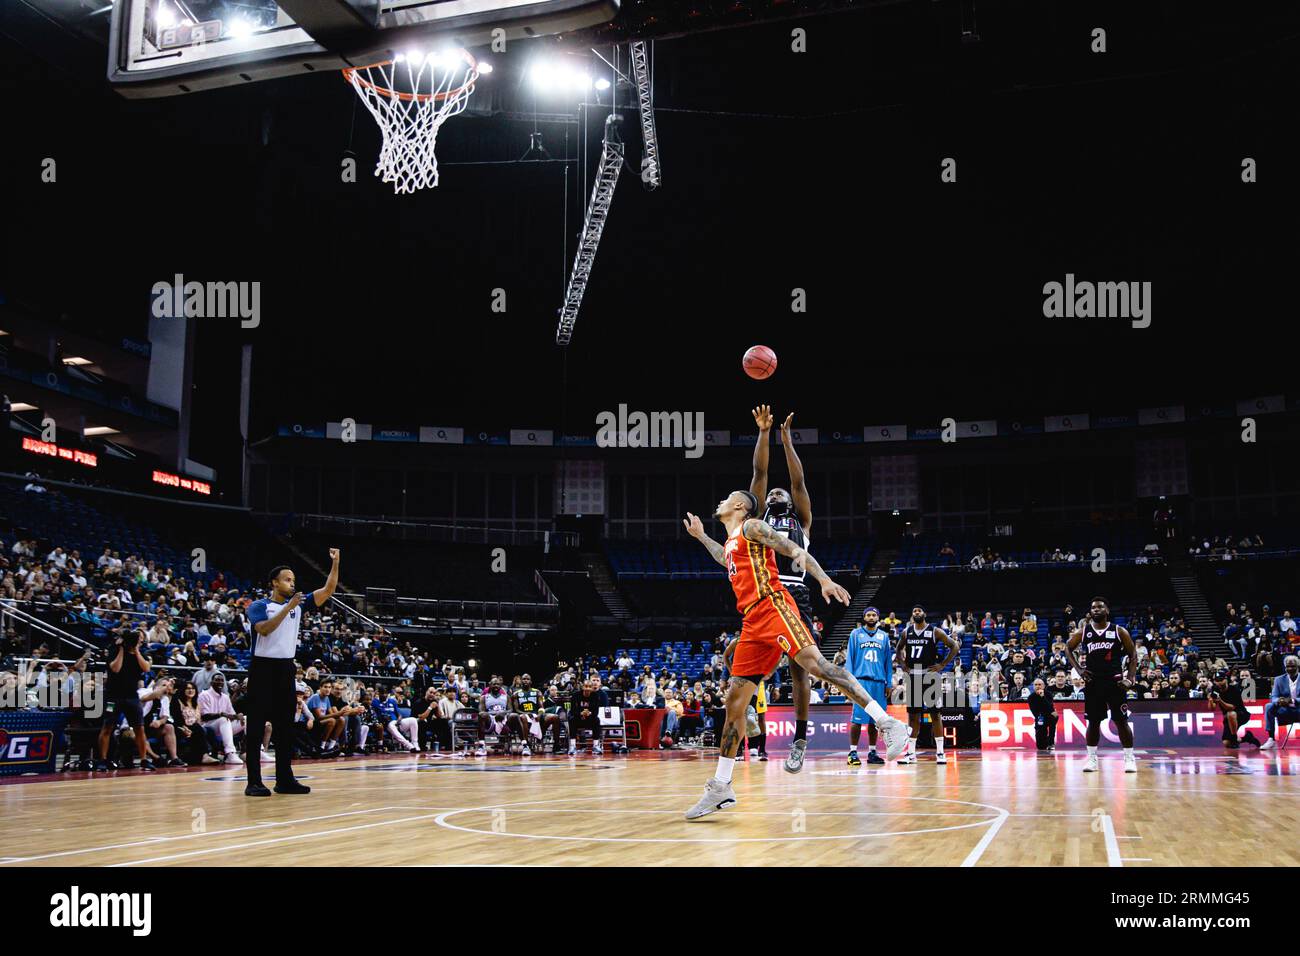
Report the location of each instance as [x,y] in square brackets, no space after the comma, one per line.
[271,691]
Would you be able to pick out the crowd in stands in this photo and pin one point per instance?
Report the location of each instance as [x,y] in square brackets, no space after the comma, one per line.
[1262,640]
[362,690]
[1225,547]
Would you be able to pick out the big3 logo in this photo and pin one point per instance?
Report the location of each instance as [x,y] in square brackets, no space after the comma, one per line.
[31,747]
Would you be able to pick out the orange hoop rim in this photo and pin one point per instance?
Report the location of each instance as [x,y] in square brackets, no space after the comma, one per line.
[353,75]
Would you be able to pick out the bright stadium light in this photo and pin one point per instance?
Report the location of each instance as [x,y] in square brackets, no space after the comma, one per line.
[164,17]
[484,67]
[602,84]
[240,29]
[548,75]
[544,75]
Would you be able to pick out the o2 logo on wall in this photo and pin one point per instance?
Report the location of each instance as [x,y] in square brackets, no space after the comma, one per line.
[25,747]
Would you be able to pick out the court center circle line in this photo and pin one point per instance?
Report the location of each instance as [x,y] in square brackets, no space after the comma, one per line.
[442,821]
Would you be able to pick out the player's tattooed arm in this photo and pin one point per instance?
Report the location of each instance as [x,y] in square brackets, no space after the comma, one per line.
[758,483]
[759,531]
[695,528]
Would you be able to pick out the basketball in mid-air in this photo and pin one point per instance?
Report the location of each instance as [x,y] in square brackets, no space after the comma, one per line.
[759,361]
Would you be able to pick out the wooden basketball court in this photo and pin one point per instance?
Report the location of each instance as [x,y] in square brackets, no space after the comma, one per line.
[994,809]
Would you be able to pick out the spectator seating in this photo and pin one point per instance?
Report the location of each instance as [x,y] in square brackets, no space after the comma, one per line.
[1122,542]
[685,558]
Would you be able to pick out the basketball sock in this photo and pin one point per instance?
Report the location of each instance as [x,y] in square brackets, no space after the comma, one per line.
[1092,751]
[723,772]
[762,743]
[876,712]
[1128,752]
[938,743]
[801,730]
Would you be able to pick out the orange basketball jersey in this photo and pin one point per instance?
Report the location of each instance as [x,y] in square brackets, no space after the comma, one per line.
[752,569]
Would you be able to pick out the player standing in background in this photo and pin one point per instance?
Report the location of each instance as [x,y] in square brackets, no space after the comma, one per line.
[760,711]
[790,514]
[771,626]
[918,654]
[1105,687]
[869,660]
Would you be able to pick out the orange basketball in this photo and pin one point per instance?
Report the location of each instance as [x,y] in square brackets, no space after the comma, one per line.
[759,361]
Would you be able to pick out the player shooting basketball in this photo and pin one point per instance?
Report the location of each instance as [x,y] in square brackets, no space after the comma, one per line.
[790,515]
[771,626]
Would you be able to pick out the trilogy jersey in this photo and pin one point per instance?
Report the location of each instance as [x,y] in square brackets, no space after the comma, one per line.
[752,570]
[1105,651]
[788,525]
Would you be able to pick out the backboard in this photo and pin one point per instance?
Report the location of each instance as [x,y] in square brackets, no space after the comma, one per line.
[171,47]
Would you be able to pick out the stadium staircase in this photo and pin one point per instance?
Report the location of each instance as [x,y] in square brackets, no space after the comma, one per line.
[881,563]
[602,579]
[1196,609]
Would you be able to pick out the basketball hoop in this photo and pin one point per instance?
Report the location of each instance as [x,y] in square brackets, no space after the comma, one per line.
[409,119]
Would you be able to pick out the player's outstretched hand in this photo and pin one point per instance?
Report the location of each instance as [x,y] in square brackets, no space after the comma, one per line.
[334,554]
[694,527]
[763,417]
[832,591]
[785,425]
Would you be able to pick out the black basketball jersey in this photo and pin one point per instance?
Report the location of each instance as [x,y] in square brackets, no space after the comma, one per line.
[1105,651]
[922,648]
[789,526]
[530,701]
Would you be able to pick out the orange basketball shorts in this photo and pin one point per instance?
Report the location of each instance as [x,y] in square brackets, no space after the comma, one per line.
[772,627]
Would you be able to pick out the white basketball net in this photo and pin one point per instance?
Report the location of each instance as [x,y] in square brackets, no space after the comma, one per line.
[410,98]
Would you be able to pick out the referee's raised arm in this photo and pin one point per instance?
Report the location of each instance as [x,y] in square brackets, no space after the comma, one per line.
[321,595]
